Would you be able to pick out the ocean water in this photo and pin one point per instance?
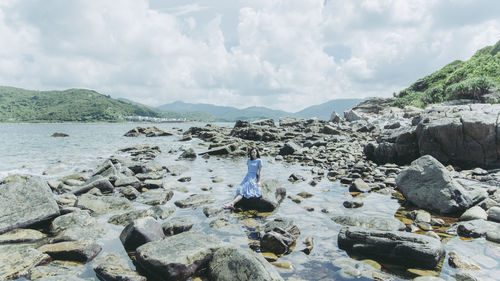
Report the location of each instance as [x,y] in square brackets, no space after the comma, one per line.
[30,149]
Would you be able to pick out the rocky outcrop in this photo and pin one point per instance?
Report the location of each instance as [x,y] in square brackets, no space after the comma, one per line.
[263,130]
[393,246]
[272,196]
[149,132]
[428,185]
[25,201]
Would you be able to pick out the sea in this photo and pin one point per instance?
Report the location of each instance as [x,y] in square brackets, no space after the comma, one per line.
[31,149]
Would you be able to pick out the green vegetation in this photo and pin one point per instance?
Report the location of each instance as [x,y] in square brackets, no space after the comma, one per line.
[476,79]
[73,105]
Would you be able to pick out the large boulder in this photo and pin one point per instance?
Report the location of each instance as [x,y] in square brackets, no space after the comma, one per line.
[280,235]
[396,247]
[232,264]
[141,231]
[25,201]
[428,185]
[177,257]
[272,196]
[467,135]
[398,146]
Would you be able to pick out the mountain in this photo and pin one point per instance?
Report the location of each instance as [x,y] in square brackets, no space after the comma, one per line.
[228,113]
[73,105]
[324,111]
[477,78]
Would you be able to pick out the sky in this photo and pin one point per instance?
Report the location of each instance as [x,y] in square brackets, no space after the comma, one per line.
[282,54]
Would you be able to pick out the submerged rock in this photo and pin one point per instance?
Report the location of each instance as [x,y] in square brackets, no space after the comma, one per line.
[24,201]
[195,200]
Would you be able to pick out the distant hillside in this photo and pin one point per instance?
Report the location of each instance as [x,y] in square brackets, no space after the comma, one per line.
[324,111]
[224,113]
[73,105]
[227,113]
[477,78]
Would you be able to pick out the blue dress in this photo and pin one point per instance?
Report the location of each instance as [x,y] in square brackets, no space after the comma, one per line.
[248,187]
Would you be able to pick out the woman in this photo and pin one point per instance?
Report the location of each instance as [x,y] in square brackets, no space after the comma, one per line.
[250,186]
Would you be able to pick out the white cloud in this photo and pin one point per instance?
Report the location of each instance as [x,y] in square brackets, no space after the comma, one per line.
[281,54]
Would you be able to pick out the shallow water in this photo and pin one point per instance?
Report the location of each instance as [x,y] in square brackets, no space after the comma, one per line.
[30,149]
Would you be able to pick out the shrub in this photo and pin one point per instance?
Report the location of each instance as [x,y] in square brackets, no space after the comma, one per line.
[472,88]
[433,95]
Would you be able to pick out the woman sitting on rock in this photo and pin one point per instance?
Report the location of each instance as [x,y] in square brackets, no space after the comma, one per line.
[250,186]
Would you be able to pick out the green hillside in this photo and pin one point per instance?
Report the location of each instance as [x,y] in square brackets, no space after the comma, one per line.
[73,105]
[477,78]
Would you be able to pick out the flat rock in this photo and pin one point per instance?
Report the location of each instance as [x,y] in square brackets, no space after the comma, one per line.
[77,225]
[103,204]
[475,228]
[155,197]
[474,213]
[177,170]
[56,268]
[360,185]
[98,182]
[369,222]
[394,246]
[16,264]
[176,225]
[25,201]
[177,257]
[195,200]
[234,264]
[81,251]
[111,267]
[20,235]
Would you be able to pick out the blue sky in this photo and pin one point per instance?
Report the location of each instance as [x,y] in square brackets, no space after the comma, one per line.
[281,54]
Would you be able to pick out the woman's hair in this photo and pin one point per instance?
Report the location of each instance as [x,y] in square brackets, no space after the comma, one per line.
[250,151]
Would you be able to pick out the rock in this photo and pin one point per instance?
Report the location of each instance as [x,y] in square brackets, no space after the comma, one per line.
[98,182]
[155,197]
[130,192]
[126,181]
[264,122]
[352,204]
[351,115]
[475,228]
[494,214]
[148,132]
[103,204]
[78,225]
[58,135]
[128,217]
[296,199]
[427,184]
[295,177]
[290,148]
[141,231]
[397,146]
[153,184]
[370,222]
[236,264]
[460,262]
[21,235]
[474,213]
[176,225]
[176,170]
[464,276]
[188,154]
[81,251]
[66,200]
[360,186]
[16,264]
[272,196]
[420,216]
[212,210]
[395,246]
[222,150]
[62,277]
[427,278]
[280,235]
[329,130]
[56,268]
[195,200]
[309,243]
[474,125]
[111,267]
[493,235]
[25,201]
[305,195]
[177,257]
[335,117]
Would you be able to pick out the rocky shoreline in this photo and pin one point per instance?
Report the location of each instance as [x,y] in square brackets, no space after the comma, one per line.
[374,149]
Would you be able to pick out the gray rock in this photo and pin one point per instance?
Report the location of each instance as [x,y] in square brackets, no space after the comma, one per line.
[188,154]
[280,235]
[126,181]
[493,235]
[78,225]
[351,115]
[335,117]
[25,201]
[176,170]
[494,214]
[141,231]
[66,200]
[155,197]
[290,148]
[16,264]
[427,278]
[176,225]
[56,269]
[272,196]
[230,264]
[103,204]
[21,235]
[370,222]
[475,228]
[195,200]
[420,216]
[128,217]
[177,257]
[427,184]
[153,184]
[458,261]
[354,203]
[67,277]
[395,246]
[111,267]
[474,213]
[80,251]
[464,276]
[148,132]
[360,186]
[98,182]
